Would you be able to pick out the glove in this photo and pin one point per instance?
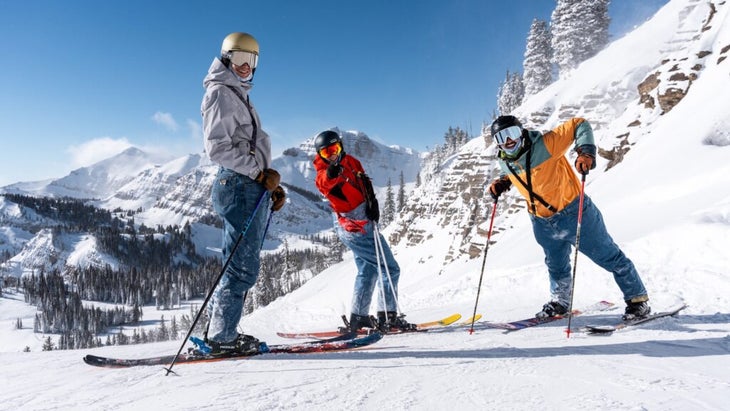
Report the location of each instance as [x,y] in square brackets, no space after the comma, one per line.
[269,178]
[278,198]
[333,170]
[584,163]
[499,186]
[372,210]
[586,160]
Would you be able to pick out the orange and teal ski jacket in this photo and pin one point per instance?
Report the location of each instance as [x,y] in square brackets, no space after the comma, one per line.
[550,177]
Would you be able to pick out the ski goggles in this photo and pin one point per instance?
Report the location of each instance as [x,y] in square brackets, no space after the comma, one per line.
[510,133]
[331,150]
[240,58]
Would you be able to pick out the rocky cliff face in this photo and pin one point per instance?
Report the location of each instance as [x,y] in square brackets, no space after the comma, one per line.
[622,98]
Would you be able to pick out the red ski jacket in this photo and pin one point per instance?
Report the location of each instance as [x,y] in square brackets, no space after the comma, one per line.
[343,192]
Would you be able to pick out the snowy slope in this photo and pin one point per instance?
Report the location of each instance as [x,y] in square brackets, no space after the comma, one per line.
[667,204]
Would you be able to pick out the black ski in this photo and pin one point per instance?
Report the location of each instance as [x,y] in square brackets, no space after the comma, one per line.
[533,321]
[608,329]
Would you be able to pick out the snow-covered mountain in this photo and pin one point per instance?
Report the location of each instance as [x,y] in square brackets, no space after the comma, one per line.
[178,191]
[47,250]
[99,180]
[666,203]
[153,183]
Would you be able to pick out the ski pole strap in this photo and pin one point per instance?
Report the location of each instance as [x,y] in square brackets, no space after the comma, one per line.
[245,102]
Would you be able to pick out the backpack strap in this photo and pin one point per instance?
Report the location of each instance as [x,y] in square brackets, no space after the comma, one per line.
[528,186]
[252,146]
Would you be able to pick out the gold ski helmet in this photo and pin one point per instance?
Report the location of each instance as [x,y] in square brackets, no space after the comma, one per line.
[240,48]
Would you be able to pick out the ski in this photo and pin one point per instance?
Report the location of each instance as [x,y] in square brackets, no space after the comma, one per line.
[608,329]
[332,334]
[531,322]
[470,320]
[340,343]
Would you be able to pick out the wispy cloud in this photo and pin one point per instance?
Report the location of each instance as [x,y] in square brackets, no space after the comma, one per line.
[166,120]
[96,150]
[196,130]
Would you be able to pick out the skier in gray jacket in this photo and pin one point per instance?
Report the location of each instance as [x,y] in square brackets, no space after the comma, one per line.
[234,140]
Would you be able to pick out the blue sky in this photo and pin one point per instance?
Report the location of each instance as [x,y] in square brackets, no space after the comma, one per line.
[82,80]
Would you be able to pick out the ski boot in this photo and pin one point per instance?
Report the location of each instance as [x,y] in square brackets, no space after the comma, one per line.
[242,344]
[392,322]
[636,308]
[356,323]
[552,309]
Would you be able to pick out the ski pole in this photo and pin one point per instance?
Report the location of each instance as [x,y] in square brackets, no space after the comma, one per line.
[381,286]
[484,261]
[381,254]
[217,280]
[577,245]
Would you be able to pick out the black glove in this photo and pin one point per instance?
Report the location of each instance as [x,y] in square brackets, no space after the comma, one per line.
[278,198]
[372,210]
[269,178]
[333,170]
[499,186]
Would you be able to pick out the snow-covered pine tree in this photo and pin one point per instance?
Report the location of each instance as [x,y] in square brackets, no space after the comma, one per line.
[562,39]
[454,139]
[537,68]
[600,22]
[401,193]
[579,30]
[510,93]
[389,206]
[48,344]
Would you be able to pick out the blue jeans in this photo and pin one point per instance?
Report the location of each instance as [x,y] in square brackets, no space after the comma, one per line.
[363,247]
[556,235]
[234,198]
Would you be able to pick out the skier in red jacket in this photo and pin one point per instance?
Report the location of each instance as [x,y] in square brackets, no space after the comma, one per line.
[342,179]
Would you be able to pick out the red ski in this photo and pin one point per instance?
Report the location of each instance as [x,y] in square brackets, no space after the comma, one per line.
[340,343]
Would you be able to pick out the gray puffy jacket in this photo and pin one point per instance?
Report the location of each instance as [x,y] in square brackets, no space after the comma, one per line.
[227,124]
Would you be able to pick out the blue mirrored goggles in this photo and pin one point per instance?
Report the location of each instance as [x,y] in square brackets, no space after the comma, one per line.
[512,133]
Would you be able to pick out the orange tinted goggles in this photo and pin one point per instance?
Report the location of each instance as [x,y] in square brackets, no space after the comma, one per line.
[331,150]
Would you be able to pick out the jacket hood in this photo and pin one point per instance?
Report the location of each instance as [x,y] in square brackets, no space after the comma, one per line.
[218,73]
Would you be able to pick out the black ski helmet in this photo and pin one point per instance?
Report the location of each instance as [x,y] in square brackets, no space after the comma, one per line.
[503,122]
[326,139]
[509,128]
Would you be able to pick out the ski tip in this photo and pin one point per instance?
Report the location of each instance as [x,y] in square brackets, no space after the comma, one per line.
[471,320]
